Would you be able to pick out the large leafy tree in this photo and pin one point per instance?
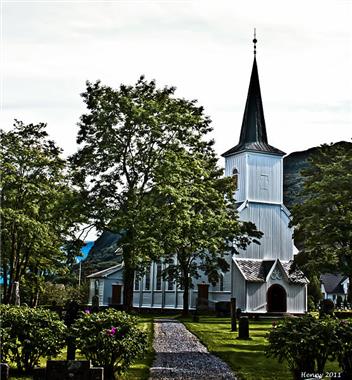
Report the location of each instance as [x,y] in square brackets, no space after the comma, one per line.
[323,222]
[125,137]
[198,221]
[37,206]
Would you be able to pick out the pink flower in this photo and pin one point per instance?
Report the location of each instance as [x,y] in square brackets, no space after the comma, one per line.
[112,331]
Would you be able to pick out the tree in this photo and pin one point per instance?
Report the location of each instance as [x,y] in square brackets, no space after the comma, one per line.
[124,137]
[323,222]
[37,205]
[198,220]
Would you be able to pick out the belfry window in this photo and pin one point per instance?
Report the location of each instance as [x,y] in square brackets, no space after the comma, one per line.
[235,179]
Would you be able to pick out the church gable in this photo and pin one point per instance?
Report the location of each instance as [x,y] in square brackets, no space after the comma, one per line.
[277,273]
[269,271]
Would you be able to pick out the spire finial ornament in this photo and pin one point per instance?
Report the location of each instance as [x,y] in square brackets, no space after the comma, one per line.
[255,42]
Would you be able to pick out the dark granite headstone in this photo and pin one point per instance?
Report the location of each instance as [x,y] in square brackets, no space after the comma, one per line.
[95,304]
[4,371]
[69,370]
[243,328]
[72,309]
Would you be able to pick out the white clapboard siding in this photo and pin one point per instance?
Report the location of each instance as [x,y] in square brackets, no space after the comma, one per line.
[256,299]
[91,290]
[257,296]
[238,162]
[259,176]
[101,293]
[296,299]
[157,299]
[239,288]
[273,221]
[264,178]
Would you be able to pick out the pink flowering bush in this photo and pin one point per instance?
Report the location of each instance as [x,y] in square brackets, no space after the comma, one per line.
[110,339]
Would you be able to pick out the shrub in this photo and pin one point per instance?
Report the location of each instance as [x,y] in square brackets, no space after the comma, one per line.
[110,339]
[305,343]
[343,347]
[326,307]
[27,334]
[311,304]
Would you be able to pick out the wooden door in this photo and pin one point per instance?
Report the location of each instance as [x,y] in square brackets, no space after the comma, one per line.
[116,295]
[276,299]
[203,296]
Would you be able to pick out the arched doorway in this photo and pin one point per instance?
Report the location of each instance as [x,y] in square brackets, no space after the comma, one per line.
[276,299]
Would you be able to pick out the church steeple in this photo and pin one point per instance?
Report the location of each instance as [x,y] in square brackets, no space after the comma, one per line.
[253,131]
[253,125]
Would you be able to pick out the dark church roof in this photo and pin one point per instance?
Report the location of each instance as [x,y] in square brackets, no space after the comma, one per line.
[253,132]
[333,282]
[258,270]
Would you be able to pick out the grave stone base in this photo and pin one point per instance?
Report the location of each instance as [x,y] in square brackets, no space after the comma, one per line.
[69,370]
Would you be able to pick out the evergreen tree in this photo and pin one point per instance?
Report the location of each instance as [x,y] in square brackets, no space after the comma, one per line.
[323,222]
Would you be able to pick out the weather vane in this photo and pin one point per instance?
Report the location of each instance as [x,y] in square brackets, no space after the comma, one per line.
[255,41]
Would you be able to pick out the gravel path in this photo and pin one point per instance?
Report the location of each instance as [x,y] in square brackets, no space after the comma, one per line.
[180,355]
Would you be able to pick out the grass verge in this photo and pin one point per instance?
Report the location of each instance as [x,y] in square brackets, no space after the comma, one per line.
[140,369]
[245,357]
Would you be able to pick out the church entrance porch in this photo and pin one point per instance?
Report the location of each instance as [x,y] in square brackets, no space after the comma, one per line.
[276,299]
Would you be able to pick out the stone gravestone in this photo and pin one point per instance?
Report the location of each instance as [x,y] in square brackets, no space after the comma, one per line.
[326,308]
[95,304]
[72,309]
[69,370]
[243,328]
[4,371]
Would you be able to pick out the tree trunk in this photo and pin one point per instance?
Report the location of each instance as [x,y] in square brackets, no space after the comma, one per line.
[128,280]
[186,285]
[185,300]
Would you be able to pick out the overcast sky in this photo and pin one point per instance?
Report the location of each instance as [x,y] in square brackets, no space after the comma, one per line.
[204,48]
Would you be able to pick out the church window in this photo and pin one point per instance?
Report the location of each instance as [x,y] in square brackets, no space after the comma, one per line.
[147,280]
[158,277]
[235,179]
[221,282]
[170,284]
[136,283]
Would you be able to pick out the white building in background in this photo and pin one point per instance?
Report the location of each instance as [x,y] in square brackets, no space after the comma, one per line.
[260,278]
[333,285]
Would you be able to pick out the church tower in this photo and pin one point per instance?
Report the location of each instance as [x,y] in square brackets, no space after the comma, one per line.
[257,171]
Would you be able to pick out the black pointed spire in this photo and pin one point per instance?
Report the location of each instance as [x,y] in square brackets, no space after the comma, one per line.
[253,132]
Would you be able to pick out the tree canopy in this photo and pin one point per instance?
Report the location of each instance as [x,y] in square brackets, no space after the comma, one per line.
[323,222]
[37,205]
[198,221]
[127,139]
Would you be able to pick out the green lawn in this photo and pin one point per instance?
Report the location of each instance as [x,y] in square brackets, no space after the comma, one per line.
[245,357]
[140,369]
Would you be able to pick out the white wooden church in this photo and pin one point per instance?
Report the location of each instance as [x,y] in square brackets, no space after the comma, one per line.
[260,278]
